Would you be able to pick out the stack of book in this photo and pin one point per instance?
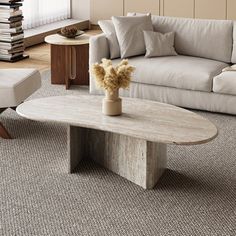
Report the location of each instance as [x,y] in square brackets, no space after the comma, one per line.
[11,32]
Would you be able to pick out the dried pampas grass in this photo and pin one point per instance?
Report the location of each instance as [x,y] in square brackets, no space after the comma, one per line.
[112,78]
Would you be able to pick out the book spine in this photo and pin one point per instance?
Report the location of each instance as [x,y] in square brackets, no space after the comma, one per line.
[11,31]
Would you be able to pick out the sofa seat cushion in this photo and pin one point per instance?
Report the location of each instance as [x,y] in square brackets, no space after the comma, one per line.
[16,85]
[182,72]
[225,83]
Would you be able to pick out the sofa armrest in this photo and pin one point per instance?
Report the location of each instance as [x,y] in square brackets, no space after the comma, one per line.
[98,49]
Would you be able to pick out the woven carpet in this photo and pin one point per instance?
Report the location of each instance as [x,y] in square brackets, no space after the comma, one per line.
[195,196]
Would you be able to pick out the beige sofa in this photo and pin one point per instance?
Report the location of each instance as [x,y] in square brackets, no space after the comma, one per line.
[193,79]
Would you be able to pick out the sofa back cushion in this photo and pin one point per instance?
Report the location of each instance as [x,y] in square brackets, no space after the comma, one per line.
[129,32]
[212,39]
[233,60]
[108,29]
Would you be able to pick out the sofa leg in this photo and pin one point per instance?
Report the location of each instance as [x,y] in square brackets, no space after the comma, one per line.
[13,108]
[4,133]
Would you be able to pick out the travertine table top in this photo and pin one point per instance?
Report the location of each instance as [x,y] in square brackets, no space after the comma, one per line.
[60,40]
[152,121]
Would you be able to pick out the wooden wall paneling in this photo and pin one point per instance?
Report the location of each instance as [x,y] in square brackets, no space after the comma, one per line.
[211,9]
[161,6]
[142,6]
[178,8]
[231,9]
[205,9]
[104,9]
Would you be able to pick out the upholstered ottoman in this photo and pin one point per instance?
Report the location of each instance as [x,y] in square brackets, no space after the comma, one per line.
[16,85]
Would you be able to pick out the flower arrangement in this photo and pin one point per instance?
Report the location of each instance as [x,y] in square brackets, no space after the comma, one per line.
[112,78]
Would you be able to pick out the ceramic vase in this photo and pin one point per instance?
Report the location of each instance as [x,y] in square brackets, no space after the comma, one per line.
[112,104]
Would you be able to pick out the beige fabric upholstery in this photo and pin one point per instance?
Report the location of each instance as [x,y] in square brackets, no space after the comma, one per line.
[185,98]
[98,49]
[233,60]
[109,30]
[213,102]
[183,72]
[158,44]
[129,32]
[225,83]
[211,39]
[16,85]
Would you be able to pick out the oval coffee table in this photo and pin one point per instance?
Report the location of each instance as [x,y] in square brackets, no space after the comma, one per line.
[132,145]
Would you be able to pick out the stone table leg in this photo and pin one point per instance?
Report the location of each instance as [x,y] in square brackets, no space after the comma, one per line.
[137,160]
[76,146]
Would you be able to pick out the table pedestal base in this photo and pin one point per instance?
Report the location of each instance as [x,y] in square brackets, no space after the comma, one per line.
[69,64]
[137,160]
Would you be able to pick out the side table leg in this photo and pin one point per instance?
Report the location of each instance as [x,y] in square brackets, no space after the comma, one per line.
[73,70]
[70,65]
[67,66]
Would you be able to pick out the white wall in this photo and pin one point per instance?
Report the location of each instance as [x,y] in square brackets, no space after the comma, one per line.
[80,9]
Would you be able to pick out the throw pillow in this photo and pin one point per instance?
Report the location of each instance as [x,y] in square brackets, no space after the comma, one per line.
[129,32]
[158,44]
[109,30]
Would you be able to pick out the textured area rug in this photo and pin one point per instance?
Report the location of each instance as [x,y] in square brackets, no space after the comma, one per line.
[195,196]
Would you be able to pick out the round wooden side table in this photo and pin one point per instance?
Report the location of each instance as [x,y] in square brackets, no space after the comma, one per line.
[69,60]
